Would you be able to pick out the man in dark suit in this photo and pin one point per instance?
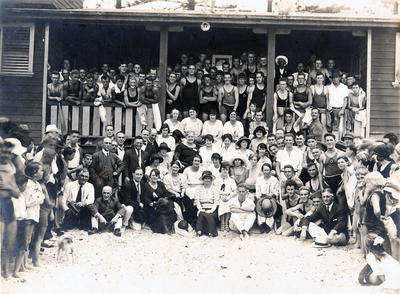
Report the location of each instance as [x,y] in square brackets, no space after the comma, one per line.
[134,158]
[149,141]
[131,195]
[107,167]
[334,217]
[281,70]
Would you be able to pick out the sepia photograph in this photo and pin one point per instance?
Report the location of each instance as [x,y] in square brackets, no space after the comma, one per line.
[201,146]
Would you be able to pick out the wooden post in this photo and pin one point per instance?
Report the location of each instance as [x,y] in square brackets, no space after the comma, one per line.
[162,73]
[368,90]
[45,63]
[270,78]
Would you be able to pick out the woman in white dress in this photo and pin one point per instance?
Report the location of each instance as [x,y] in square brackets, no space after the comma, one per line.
[207,151]
[227,190]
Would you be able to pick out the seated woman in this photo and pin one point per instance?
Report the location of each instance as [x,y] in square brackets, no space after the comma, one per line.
[227,187]
[381,269]
[234,127]
[262,154]
[186,150]
[254,171]
[165,137]
[176,183]
[191,124]
[155,163]
[160,214]
[227,149]
[259,136]
[207,151]
[165,153]
[173,122]
[213,126]
[238,170]
[243,151]
[207,200]
[216,163]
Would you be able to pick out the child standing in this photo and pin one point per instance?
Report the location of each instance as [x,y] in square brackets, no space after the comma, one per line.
[227,187]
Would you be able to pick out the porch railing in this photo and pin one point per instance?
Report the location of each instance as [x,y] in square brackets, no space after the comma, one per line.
[86,118]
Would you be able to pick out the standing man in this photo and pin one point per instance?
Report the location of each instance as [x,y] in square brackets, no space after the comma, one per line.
[109,131]
[78,202]
[281,71]
[338,94]
[190,91]
[106,166]
[332,172]
[149,141]
[228,97]
[290,155]
[134,158]
[149,95]
[120,137]
[242,212]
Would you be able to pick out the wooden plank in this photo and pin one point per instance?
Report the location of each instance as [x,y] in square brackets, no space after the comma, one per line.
[163,69]
[387,114]
[386,92]
[383,70]
[385,99]
[385,122]
[382,77]
[96,122]
[128,122]
[75,118]
[117,118]
[53,114]
[270,77]
[376,62]
[85,120]
[65,110]
[109,116]
[368,81]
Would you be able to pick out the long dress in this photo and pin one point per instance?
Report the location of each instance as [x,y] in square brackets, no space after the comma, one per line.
[162,214]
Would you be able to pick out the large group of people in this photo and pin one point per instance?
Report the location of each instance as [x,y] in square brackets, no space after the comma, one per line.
[306,177]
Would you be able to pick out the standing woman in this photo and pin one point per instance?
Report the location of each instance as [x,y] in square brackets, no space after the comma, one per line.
[282,100]
[254,172]
[173,91]
[227,187]
[131,99]
[207,200]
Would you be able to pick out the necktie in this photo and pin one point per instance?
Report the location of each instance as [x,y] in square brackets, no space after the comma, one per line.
[327,208]
[139,159]
[79,196]
[138,191]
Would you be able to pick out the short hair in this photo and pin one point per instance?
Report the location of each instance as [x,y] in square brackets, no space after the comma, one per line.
[266,164]
[304,188]
[329,135]
[242,75]
[344,157]
[137,138]
[288,166]
[311,164]
[282,80]
[68,151]
[319,74]
[289,135]
[301,74]
[120,77]
[270,135]
[154,171]
[260,73]
[198,156]
[74,132]
[109,125]
[262,145]
[74,72]
[288,111]
[252,155]
[242,185]
[392,138]
[328,191]
[290,183]
[54,72]
[227,136]
[362,170]
[352,148]
[32,168]
[120,132]
[310,137]
[83,170]
[89,76]
[86,155]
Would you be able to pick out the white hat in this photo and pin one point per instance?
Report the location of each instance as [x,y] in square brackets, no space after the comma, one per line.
[18,148]
[321,242]
[281,57]
[52,128]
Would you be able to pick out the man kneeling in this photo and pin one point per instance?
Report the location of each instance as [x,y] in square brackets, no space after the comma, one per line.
[242,212]
[110,213]
[334,218]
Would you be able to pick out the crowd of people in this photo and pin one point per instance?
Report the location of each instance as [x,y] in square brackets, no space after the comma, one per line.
[306,177]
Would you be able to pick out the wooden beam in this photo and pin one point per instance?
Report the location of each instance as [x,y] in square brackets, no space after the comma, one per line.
[283,31]
[162,72]
[368,90]
[153,28]
[45,63]
[270,77]
[359,33]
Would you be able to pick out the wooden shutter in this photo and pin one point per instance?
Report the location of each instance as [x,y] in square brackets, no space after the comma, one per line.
[17,42]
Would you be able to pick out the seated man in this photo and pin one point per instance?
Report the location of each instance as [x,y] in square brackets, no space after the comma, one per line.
[334,218]
[78,201]
[242,212]
[110,213]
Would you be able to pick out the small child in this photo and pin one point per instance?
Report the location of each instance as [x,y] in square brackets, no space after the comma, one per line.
[34,197]
[228,189]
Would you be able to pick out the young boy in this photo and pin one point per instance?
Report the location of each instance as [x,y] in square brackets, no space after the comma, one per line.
[73,89]
[55,88]
[90,89]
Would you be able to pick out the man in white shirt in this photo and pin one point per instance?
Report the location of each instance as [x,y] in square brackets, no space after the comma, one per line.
[242,212]
[74,163]
[337,93]
[78,202]
[290,155]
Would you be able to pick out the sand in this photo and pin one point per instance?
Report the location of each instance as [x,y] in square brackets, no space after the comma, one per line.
[140,261]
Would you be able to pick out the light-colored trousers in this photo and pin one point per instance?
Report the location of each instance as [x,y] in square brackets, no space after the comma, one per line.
[241,221]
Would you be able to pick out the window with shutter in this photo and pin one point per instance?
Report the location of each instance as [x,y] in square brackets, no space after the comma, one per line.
[16,49]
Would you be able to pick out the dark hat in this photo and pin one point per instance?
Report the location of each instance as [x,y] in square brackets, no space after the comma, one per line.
[164,146]
[229,136]
[266,207]
[348,136]
[216,156]
[341,146]
[207,174]
[259,129]
[154,157]
[237,158]
[183,225]
[208,137]
[382,150]
[241,139]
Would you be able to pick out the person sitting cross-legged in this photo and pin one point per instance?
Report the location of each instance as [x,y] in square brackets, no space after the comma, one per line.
[110,213]
[242,212]
[334,217]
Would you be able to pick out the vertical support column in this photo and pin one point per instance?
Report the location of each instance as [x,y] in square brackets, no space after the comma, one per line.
[45,62]
[369,46]
[162,73]
[270,78]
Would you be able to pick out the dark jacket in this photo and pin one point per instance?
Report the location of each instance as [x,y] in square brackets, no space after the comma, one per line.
[336,219]
[131,162]
[108,209]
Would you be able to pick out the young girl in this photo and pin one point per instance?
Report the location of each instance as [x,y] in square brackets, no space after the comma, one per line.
[381,269]
[34,197]
[227,187]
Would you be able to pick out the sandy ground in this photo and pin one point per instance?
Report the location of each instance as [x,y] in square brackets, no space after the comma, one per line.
[153,263]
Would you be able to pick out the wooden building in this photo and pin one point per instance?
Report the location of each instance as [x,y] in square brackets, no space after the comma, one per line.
[34,36]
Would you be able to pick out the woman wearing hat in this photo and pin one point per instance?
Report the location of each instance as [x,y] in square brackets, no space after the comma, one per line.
[165,153]
[213,126]
[207,200]
[243,151]
[154,163]
[238,170]
[165,137]
[383,161]
[259,136]
[267,186]
[207,151]
[256,123]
